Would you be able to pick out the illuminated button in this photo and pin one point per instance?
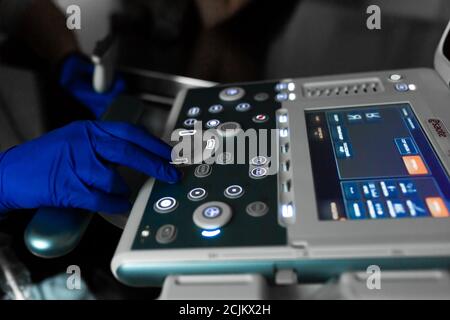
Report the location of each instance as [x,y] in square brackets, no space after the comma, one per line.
[165,205]
[412,87]
[351,191]
[258,173]
[225,158]
[401,87]
[376,209]
[217,108]
[260,118]
[370,190]
[190,122]
[259,161]
[356,210]
[416,208]
[257,209]
[285,166]
[212,215]
[407,187]
[193,112]
[395,77]
[284,148]
[396,209]
[243,107]
[389,189]
[282,86]
[232,94]
[212,123]
[283,118]
[283,96]
[234,192]
[415,165]
[210,233]
[197,194]
[229,129]
[343,150]
[262,96]
[166,234]
[202,170]
[437,207]
[145,233]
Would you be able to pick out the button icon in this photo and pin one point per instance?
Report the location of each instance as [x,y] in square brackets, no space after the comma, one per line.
[401,87]
[202,170]
[351,191]
[212,215]
[389,189]
[437,207]
[334,118]
[407,187]
[353,118]
[259,161]
[231,94]
[257,209]
[197,194]
[370,190]
[339,133]
[415,165]
[356,210]
[396,209]
[165,205]
[212,212]
[216,108]
[190,122]
[372,116]
[166,234]
[243,107]
[395,77]
[282,96]
[343,150]
[260,118]
[416,208]
[258,173]
[376,209]
[282,86]
[405,146]
[212,123]
[193,112]
[234,192]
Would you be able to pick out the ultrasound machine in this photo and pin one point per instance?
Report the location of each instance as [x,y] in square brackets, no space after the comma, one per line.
[354,174]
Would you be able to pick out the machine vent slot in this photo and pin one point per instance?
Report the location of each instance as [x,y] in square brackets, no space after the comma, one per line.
[342,88]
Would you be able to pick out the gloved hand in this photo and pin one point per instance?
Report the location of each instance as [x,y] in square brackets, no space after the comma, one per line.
[71,167]
[76,77]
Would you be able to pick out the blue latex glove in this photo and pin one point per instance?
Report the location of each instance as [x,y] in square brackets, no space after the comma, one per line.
[76,77]
[71,167]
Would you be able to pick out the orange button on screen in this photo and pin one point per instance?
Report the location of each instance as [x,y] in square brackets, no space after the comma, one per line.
[437,207]
[415,165]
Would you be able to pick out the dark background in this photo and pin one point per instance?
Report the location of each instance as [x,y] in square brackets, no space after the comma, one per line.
[266,40]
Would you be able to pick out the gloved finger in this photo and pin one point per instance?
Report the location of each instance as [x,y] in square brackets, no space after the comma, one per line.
[136,135]
[99,201]
[127,154]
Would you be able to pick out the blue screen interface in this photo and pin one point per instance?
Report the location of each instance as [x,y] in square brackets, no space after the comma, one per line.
[375,162]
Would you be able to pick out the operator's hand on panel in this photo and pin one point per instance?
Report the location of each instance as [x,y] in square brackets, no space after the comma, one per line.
[76,75]
[72,167]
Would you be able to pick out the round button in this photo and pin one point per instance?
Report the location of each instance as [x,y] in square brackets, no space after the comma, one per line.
[401,87]
[197,194]
[282,86]
[283,96]
[224,158]
[243,107]
[202,170]
[260,118]
[258,173]
[216,108]
[262,96]
[212,215]
[257,209]
[234,192]
[190,122]
[212,123]
[166,234]
[259,161]
[395,77]
[165,205]
[232,94]
[229,129]
[193,112]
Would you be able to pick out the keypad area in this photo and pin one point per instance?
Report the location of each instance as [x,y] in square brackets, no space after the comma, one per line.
[220,204]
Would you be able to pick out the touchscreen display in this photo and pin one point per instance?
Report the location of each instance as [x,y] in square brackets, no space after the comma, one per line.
[375,162]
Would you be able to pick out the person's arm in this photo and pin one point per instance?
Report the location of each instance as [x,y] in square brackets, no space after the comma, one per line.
[43,27]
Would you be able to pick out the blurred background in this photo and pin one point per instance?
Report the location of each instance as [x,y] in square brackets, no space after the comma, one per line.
[164,46]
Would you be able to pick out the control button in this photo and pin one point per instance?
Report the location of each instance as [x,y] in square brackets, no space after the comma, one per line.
[376,209]
[285,166]
[243,107]
[282,86]
[234,192]
[258,173]
[212,215]
[407,187]
[197,194]
[190,122]
[395,77]
[165,205]
[262,96]
[193,112]
[284,148]
[203,170]
[212,123]
[145,233]
[225,158]
[283,96]
[356,210]
[416,208]
[166,234]
[437,207]
[232,94]
[216,108]
[396,209]
[257,209]
[389,189]
[260,118]
[401,87]
[351,191]
[370,190]
[259,161]
[229,129]
[415,165]
[412,87]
